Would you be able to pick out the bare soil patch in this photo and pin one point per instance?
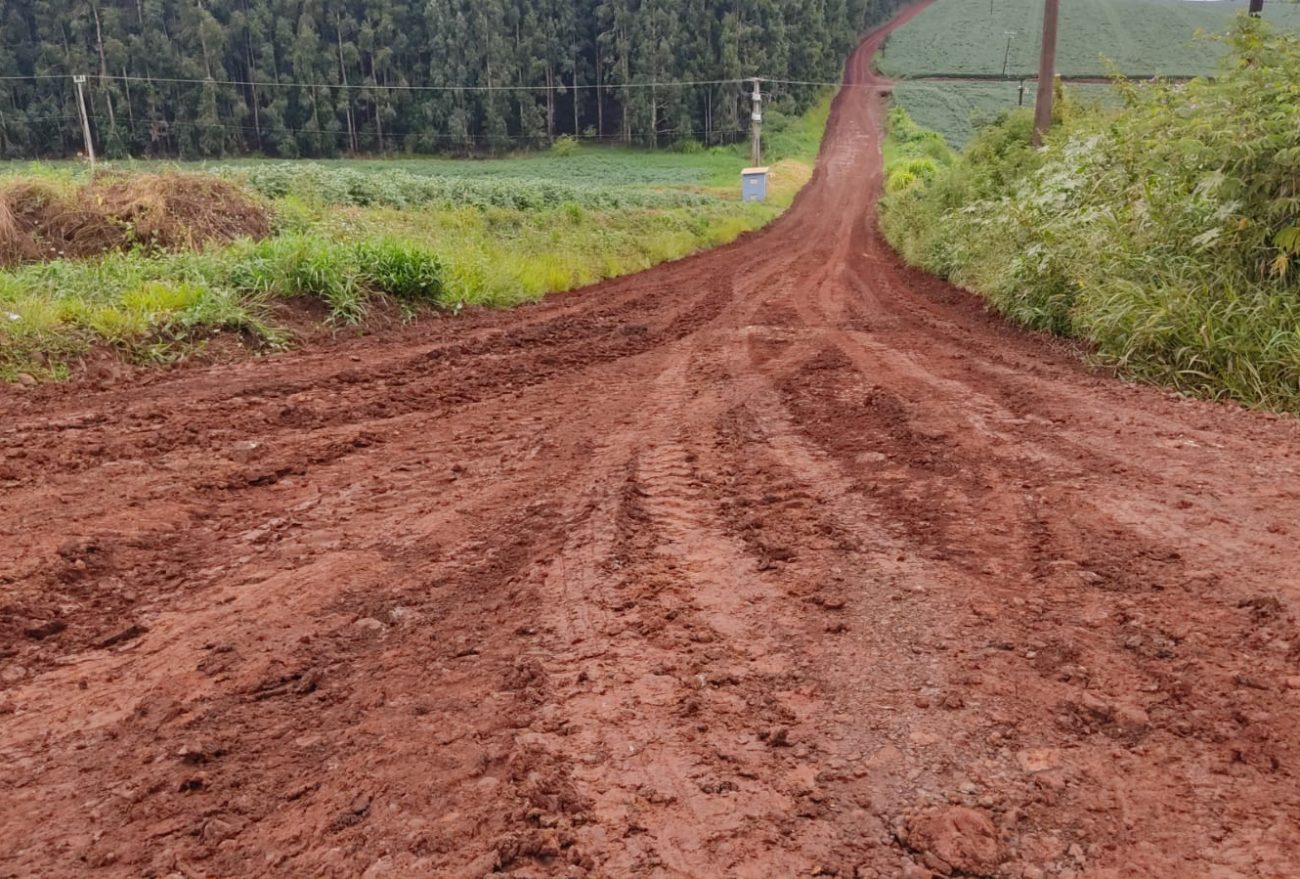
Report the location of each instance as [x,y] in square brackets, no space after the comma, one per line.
[43,221]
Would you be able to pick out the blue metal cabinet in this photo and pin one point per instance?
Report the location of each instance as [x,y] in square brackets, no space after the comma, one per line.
[753,184]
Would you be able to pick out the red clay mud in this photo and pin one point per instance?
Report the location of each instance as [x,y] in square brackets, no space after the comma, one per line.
[778,561]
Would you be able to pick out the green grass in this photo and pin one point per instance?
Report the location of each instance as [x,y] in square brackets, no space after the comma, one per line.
[1142,37]
[418,232]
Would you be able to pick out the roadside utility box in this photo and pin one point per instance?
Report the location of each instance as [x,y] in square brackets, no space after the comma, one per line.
[753,184]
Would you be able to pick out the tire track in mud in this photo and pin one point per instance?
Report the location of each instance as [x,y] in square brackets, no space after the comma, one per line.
[780,560]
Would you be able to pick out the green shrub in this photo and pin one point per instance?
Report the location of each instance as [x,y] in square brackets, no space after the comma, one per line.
[565,145]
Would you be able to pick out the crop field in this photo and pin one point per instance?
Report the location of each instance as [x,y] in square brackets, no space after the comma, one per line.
[1142,38]
[596,178]
[156,260]
[976,39]
[956,109]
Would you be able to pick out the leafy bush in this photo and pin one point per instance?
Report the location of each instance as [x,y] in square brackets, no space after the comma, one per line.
[565,145]
[900,179]
[1166,232]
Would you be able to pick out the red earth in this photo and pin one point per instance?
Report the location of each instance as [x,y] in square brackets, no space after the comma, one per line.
[783,560]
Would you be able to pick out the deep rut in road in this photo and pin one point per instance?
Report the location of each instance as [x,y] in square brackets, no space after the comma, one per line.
[781,560]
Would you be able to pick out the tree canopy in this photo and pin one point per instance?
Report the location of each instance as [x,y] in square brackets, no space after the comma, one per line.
[289,78]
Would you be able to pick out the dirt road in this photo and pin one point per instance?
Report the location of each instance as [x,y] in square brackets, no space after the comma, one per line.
[779,561]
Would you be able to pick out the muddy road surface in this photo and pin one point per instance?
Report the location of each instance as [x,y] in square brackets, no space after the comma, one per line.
[778,561]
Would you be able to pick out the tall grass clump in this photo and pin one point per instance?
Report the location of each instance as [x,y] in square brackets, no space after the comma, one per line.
[1166,232]
[345,276]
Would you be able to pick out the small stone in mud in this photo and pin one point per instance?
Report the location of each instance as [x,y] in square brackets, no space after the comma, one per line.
[132,631]
[44,628]
[216,830]
[12,674]
[1095,705]
[1131,717]
[369,625]
[962,838]
[192,753]
[777,737]
[245,451]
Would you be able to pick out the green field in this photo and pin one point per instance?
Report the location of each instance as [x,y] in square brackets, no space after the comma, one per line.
[360,235]
[956,109]
[596,178]
[962,38]
[1142,37]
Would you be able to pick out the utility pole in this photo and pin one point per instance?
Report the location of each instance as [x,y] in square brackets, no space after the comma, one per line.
[1046,72]
[756,129]
[80,81]
[1006,57]
[1256,8]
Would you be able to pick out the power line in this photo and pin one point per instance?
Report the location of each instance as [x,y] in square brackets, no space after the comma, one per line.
[252,83]
[101,121]
[422,88]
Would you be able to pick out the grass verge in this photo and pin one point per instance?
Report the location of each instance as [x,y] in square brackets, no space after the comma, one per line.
[1164,232]
[426,233]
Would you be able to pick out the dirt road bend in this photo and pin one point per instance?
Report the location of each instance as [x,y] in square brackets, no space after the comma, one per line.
[778,561]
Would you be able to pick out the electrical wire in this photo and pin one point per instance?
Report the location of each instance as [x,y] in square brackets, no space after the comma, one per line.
[247,83]
[100,121]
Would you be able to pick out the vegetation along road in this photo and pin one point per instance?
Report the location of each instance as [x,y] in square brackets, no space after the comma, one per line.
[779,560]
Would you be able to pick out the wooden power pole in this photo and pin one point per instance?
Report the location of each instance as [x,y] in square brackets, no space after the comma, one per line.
[85,119]
[756,130]
[1046,72]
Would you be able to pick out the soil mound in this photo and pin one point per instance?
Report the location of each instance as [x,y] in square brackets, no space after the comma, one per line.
[41,221]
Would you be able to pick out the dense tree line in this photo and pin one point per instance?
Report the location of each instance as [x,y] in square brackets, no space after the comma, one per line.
[295,78]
